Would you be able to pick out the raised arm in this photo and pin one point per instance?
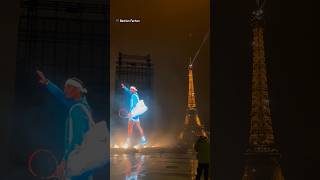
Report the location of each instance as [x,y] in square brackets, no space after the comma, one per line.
[53,89]
[58,93]
[125,89]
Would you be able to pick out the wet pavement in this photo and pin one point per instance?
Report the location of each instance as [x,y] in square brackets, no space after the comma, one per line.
[153,166]
[139,166]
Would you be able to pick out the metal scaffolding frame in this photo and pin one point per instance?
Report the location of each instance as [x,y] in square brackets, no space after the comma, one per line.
[134,69]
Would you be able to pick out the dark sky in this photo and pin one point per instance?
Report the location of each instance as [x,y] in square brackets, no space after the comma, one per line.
[171,31]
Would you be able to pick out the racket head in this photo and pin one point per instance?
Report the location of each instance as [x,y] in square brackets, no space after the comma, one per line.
[123,113]
[42,163]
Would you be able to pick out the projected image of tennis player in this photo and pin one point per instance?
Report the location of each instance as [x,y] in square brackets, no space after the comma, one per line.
[137,108]
[84,151]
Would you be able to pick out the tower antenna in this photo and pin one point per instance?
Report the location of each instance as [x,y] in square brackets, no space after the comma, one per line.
[259,11]
[261,3]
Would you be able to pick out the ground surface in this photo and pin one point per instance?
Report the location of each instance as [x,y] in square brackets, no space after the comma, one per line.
[152,166]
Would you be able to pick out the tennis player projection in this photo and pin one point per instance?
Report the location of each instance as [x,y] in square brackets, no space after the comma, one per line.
[86,147]
[137,108]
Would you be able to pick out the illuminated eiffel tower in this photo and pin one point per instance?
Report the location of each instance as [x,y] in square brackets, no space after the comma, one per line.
[192,124]
[262,156]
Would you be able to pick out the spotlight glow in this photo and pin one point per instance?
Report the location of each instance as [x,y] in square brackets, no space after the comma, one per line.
[125,146]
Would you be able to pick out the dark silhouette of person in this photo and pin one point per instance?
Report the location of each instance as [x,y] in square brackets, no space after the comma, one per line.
[202,147]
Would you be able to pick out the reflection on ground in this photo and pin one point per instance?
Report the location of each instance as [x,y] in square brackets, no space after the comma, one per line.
[155,166]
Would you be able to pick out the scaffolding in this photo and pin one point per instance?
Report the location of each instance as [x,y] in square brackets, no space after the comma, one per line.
[64,39]
[134,69]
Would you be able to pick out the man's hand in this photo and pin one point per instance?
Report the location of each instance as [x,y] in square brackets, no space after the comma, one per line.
[60,171]
[122,85]
[129,115]
[43,79]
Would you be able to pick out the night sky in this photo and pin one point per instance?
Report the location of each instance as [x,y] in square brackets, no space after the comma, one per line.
[292,70]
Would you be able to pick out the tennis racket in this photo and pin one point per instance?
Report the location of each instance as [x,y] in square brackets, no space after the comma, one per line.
[138,110]
[123,113]
[42,163]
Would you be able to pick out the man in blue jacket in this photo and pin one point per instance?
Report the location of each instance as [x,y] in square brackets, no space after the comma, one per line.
[77,124]
[133,120]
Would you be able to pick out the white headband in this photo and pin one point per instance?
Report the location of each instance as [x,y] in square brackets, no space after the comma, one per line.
[134,88]
[76,84]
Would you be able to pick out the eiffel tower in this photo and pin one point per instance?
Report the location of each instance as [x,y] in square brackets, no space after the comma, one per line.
[192,124]
[262,156]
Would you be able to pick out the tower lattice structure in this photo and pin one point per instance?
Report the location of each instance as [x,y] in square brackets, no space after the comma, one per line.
[192,124]
[262,156]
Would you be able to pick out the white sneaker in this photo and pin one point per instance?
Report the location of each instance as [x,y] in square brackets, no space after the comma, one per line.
[143,140]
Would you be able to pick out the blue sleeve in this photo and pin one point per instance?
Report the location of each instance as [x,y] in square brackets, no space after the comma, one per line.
[127,90]
[80,125]
[58,93]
